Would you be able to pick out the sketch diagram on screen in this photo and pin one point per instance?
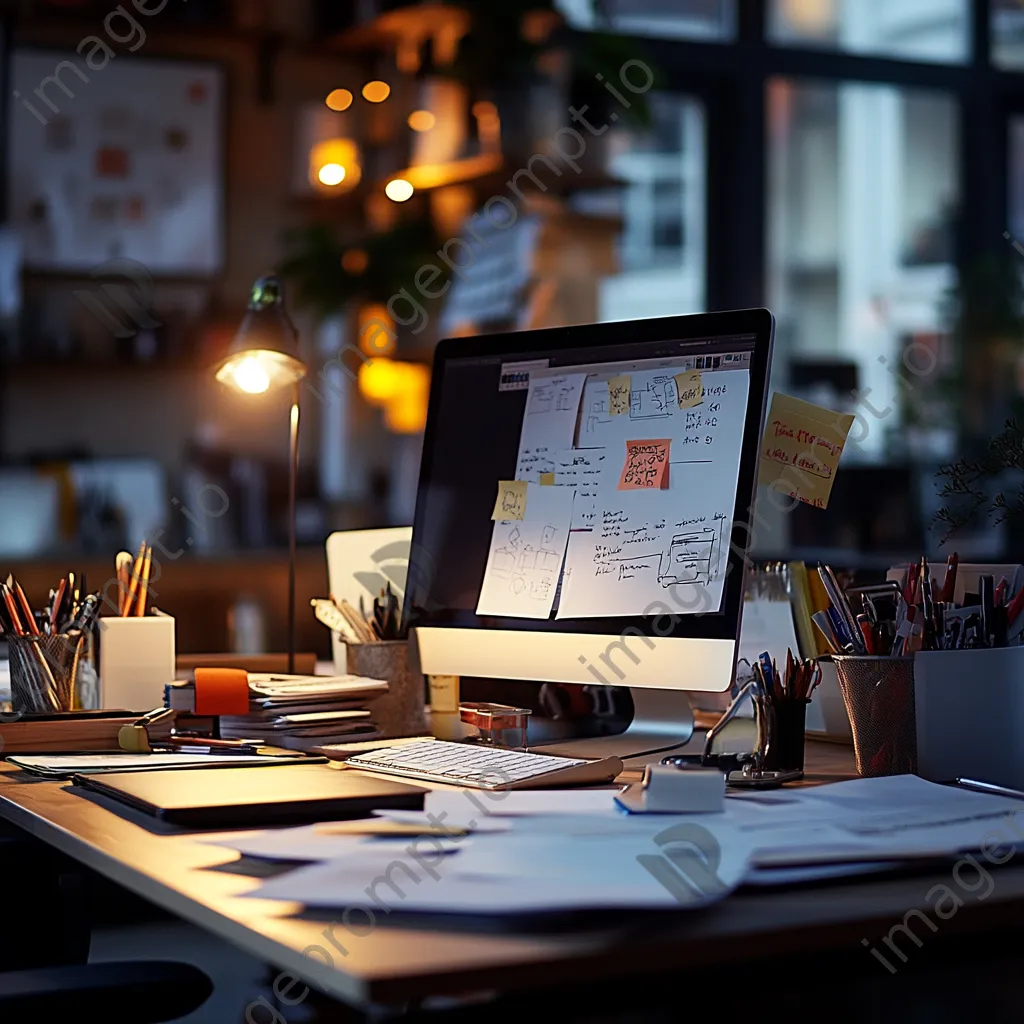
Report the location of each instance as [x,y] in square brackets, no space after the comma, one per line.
[649,401]
[529,572]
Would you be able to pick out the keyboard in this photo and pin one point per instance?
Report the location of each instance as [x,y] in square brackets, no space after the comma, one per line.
[480,767]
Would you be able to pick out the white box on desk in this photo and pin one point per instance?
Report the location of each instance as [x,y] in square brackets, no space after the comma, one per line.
[136,661]
[970,715]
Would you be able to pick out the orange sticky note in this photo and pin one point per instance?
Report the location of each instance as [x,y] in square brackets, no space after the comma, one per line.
[646,465]
[547,479]
[689,389]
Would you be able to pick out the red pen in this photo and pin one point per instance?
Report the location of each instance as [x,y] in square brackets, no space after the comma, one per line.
[1016,607]
[949,583]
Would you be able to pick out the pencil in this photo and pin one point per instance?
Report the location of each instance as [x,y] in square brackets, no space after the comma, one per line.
[12,610]
[30,619]
[140,609]
[136,575]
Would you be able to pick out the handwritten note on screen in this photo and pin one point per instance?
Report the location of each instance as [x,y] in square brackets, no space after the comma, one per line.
[800,449]
[511,500]
[646,465]
[689,389]
[619,395]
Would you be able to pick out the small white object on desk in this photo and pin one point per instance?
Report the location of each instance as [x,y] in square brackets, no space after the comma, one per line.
[136,660]
[667,790]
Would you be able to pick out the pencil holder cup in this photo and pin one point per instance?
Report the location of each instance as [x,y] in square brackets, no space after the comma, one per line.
[136,660]
[788,720]
[402,710]
[879,698]
[44,670]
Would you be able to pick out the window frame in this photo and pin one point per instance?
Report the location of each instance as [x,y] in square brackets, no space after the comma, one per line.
[731,80]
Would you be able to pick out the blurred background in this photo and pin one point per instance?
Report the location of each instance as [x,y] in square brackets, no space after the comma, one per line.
[416,171]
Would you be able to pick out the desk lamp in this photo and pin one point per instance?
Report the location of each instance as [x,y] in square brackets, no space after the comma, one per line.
[264,356]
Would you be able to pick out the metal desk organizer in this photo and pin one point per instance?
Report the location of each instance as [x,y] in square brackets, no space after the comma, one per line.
[747,769]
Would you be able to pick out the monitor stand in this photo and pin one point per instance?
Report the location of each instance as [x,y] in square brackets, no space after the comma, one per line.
[662,720]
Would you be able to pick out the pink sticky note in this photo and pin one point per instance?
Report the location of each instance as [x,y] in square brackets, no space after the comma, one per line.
[646,465]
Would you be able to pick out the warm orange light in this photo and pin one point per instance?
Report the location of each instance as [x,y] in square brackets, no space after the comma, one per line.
[376,91]
[377,336]
[402,389]
[331,174]
[484,108]
[334,164]
[398,190]
[422,120]
[380,379]
[339,99]
[354,261]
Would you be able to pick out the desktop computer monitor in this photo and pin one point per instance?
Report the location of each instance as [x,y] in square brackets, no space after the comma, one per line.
[584,500]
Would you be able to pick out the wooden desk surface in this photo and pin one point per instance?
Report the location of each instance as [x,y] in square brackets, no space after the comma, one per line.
[391,965]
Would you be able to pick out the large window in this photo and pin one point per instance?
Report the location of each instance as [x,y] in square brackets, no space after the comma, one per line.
[681,19]
[662,207]
[863,188]
[924,30]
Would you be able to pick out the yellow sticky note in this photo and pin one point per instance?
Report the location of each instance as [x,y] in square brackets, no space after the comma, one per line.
[547,479]
[618,390]
[800,449]
[689,389]
[511,502]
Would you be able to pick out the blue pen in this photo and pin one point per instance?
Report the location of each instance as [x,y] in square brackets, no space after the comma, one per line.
[839,627]
[766,668]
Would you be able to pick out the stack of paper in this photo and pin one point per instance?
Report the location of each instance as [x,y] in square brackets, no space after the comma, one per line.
[527,852]
[297,712]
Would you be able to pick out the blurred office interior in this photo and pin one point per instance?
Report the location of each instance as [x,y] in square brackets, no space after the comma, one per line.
[855,165]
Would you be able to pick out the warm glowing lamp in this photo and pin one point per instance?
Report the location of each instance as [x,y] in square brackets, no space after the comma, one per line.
[334,163]
[376,91]
[398,190]
[263,356]
[339,99]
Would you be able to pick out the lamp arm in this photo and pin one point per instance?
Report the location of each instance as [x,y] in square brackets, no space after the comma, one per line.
[293,473]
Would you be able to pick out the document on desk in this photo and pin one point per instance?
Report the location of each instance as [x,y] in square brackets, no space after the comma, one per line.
[64,766]
[660,545]
[525,559]
[515,874]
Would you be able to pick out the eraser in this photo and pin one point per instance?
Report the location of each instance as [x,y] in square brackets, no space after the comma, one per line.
[667,790]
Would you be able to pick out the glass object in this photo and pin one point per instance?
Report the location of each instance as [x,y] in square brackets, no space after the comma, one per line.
[925,30]
[660,199]
[1007,34]
[863,184]
[680,19]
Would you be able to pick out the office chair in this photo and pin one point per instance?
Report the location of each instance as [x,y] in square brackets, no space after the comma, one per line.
[43,973]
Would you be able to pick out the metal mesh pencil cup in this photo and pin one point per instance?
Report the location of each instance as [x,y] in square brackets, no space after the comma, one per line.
[879,698]
[44,670]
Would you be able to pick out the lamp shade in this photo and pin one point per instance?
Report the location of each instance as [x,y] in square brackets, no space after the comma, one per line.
[265,351]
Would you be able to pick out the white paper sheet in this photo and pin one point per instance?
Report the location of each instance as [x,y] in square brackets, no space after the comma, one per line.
[66,765]
[552,408]
[309,843]
[525,559]
[516,874]
[517,802]
[669,546]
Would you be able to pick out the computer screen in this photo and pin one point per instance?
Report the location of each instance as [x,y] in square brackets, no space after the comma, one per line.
[588,480]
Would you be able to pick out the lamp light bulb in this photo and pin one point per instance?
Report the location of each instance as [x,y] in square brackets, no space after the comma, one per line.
[251,377]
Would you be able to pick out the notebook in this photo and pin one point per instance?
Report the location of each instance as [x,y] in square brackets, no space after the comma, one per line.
[254,797]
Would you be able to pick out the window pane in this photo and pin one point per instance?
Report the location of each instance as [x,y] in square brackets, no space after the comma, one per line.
[661,204]
[1008,33]
[682,19]
[863,184]
[927,30]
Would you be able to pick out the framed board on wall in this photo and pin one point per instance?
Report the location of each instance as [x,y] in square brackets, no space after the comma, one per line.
[121,162]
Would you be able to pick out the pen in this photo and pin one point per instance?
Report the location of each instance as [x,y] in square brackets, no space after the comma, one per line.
[949,580]
[988,787]
[986,585]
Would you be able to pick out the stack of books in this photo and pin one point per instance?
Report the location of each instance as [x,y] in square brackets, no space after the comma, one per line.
[295,712]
